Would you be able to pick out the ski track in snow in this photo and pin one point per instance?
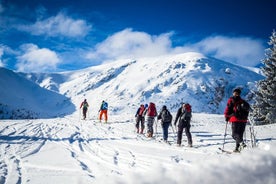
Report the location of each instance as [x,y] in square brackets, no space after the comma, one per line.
[99,149]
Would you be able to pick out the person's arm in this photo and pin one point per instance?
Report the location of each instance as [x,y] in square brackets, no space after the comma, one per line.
[137,113]
[159,115]
[177,116]
[228,110]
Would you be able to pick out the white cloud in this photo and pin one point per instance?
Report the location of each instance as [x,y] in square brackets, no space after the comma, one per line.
[35,59]
[60,25]
[131,44]
[238,50]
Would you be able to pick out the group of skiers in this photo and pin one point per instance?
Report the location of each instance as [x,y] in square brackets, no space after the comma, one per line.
[102,111]
[236,112]
[147,113]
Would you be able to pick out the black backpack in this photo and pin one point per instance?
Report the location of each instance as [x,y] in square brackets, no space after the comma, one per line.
[241,109]
[166,116]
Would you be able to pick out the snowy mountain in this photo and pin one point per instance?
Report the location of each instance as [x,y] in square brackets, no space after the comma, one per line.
[204,82]
[21,98]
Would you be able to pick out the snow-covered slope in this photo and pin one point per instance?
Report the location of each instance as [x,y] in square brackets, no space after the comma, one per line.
[70,150]
[20,98]
[204,82]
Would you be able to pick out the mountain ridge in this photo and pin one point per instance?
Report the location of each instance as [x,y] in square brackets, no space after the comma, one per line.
[204,82]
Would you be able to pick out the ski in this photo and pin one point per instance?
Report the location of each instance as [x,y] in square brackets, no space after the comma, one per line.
[225,151]
[145,138]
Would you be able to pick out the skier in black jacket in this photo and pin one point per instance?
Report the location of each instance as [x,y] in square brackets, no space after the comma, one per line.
[166,120]
[184,116]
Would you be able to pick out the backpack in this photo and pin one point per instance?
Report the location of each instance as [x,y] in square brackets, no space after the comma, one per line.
[85,105]
[151,110]
[166,116]
[105,106]
[241,109]
[187,112]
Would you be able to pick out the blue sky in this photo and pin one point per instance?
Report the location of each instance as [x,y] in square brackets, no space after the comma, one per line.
[60,35]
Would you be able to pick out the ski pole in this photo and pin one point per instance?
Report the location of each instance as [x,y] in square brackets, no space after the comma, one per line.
[173,130]
[245,133]
[224,134]
[155,126]
[79,114]
[173,133]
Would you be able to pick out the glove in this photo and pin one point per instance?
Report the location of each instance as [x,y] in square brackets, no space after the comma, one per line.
[227,119]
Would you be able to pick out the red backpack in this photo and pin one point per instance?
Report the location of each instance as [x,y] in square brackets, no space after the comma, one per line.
[188,107]
[152,110]
[186,112]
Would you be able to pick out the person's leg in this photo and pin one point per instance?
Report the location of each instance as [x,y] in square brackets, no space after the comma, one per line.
[105,115]
[179,135]
[142,125]
[165,131]
[150,126]
[101,114]
[189,135]
[235,135]
[137,124]
[84,110]
[241,128]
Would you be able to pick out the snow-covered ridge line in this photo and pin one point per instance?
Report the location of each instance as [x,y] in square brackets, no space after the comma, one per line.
[204,82]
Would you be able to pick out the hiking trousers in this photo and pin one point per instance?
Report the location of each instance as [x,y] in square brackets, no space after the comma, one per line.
[165,128]
[84,111]
[103,112]
[140,120]
[238,129]
[150,122]
[181,126]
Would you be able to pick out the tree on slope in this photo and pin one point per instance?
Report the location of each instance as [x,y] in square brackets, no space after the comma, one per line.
[264,109]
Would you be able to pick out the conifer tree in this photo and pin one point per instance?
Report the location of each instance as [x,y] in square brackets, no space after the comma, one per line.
[264,109]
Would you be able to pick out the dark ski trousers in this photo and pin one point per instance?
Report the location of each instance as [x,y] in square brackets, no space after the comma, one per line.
[140,119]
[238,129]
[84,111]
[181,126]
[150,122]
[165,127]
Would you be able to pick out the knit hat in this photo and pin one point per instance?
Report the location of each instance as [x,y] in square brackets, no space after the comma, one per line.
[237,90]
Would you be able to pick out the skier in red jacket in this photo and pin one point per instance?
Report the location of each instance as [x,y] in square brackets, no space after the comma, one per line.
[238,122]
[84,105]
